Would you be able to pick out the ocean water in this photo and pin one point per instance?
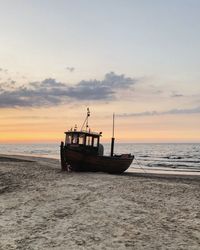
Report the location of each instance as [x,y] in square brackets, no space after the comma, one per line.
[148,155]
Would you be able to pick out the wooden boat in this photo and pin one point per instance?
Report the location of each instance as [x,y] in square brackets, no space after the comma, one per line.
[82,151]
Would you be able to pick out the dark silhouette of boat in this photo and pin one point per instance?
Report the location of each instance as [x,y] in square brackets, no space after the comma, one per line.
[82,151]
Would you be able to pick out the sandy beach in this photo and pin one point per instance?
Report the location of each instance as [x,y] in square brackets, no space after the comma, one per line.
[44,208]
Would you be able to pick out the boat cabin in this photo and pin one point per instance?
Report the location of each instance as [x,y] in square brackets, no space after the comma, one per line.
[89,141]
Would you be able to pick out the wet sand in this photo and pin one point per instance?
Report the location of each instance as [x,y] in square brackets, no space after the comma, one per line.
[44,208]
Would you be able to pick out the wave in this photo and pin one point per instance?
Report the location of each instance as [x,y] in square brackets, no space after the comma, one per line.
[171,165]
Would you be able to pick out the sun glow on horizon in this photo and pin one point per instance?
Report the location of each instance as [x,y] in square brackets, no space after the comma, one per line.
[41,126]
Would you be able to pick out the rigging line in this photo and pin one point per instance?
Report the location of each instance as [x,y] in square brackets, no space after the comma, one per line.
[84,123]
[140,165]
[86,120]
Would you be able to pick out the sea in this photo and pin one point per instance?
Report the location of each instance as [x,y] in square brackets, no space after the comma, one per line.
[176,156]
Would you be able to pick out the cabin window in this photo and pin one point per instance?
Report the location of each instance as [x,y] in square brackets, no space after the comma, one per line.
[75,139]
[81,139]
[68,139]
[89,141]
[95,141]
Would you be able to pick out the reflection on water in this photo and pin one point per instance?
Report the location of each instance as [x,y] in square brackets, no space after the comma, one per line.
[171,155]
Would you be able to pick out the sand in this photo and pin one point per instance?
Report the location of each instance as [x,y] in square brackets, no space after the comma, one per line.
[44,208]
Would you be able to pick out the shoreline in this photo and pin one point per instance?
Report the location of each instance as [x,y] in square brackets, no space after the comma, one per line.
[137,171]
[44,208]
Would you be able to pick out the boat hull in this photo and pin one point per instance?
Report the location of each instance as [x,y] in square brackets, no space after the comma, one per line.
[80,161]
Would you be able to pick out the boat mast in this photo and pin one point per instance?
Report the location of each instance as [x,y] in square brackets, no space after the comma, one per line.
[113,133]
[85,123]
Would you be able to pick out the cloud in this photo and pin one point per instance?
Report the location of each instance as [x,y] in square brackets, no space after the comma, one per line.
[101,90]
[6,85]
[70,69]
[195,110]
[174,94]
[46,93]
[92,90]
[3,70]
[27,117]
[177,95]
[118,81]
[51,92]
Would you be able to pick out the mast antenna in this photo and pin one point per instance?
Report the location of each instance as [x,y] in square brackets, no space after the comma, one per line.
[85,123]
[113,134]
[113,131]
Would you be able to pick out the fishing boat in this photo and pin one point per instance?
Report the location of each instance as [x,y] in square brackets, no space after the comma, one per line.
[82,151]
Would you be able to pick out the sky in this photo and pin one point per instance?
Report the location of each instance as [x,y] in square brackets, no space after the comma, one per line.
[137,58]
